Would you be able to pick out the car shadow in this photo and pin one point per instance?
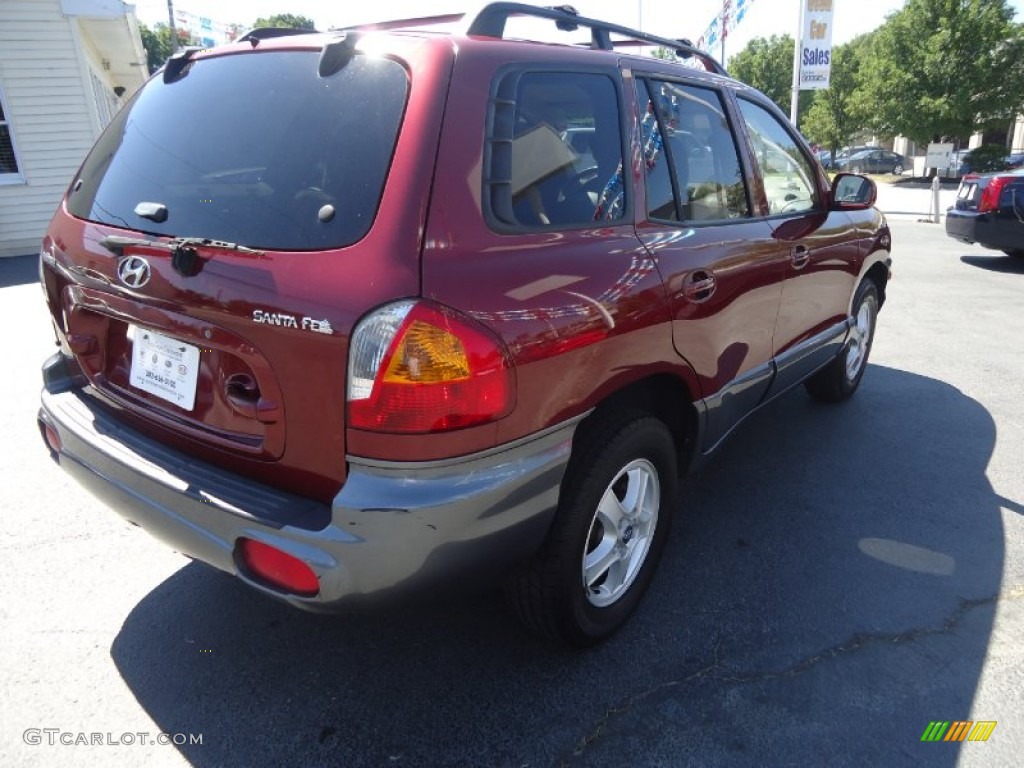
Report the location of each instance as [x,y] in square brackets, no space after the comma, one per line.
[19,270]
[829,589]
[1000,263]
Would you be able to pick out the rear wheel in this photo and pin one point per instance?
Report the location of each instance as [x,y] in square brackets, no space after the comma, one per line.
[612,522]
[840,378]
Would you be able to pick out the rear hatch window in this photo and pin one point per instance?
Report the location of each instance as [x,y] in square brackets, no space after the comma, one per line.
[250,148]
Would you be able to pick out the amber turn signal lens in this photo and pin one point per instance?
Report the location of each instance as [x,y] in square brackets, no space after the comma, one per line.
[427,354]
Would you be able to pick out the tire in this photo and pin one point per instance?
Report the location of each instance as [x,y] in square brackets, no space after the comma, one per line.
[1016,253]
[592,541]
[840,378]
[857,169]
[897,170]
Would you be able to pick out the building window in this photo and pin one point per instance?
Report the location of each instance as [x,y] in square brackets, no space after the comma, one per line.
[8,158]
[106,103]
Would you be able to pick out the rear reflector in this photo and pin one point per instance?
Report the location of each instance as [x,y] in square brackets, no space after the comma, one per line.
[51,437]
[278,569]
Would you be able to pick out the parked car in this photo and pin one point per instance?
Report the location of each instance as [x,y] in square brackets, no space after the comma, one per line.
[846,152]
[989,210]
[876,161]
[341,315]
[965,166]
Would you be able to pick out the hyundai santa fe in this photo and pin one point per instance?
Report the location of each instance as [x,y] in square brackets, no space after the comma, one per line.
[385,313]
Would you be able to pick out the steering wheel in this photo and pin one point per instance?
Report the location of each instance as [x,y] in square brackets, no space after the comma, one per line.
[790,201]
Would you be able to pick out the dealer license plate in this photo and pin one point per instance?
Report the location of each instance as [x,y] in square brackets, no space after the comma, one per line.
[164,367]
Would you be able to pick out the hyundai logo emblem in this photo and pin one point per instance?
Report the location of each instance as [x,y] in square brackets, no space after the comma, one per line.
[133,271]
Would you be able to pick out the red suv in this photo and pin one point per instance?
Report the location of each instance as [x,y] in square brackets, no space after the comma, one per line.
[384,313]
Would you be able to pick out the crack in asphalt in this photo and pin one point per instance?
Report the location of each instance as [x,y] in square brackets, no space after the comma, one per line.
[595,733]
[854,644]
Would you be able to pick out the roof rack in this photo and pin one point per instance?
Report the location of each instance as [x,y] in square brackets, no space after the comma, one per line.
[490,19]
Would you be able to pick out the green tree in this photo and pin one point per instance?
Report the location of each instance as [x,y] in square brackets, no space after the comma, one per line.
[286,20]
[944,68]
[157,42]
[767,64]
[834,119]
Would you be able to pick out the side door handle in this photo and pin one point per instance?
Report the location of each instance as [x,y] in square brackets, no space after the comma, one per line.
[800,255]
[699,286]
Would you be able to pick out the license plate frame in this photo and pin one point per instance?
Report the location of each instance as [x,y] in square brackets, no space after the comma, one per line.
[164,367]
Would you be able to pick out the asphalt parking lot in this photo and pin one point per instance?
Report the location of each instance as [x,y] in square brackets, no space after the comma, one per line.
[837,578]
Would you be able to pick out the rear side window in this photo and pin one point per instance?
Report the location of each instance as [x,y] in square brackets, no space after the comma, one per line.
[788,175]
[554,151]
[693,168]
[254,149]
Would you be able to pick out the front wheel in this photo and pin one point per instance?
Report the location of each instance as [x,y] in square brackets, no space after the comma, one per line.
[613,518]
[897,170]
[840,378]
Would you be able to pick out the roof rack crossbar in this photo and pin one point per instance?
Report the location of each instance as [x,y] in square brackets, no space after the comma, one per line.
[490,20]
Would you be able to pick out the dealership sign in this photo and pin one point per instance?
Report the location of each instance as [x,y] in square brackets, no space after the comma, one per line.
[816,44]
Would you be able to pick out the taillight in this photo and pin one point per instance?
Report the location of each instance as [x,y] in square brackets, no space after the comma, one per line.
[990,195]
[421,367]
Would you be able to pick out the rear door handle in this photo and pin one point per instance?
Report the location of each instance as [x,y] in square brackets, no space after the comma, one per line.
[699,286]
[800,256]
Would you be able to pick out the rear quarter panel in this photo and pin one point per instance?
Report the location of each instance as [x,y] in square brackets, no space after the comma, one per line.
[582,311]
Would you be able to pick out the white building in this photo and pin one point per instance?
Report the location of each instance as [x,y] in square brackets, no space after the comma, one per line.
[66,66]
[906,147]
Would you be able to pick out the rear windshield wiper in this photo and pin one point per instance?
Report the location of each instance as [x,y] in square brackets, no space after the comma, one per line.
[116,244]
[184,257]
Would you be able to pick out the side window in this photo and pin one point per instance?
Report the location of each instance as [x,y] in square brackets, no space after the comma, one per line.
[555,150]
[661,194]
[693,169]
[788,175]
[8,160]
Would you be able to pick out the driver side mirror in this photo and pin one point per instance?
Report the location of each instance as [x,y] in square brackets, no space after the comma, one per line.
[852,192]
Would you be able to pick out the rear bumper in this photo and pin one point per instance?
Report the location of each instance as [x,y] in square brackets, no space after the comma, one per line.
[987,229]
[405,531]
[961,225]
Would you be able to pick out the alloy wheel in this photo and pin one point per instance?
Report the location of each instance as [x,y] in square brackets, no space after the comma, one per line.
[621,533]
